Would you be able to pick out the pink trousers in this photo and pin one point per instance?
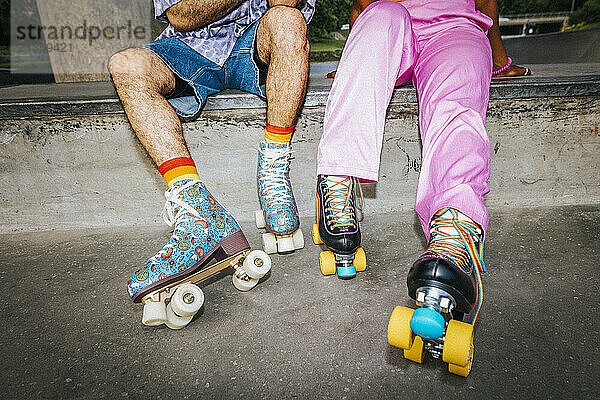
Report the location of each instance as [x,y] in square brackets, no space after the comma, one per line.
[442,45]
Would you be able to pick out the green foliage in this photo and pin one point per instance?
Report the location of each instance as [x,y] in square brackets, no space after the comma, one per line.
[329,16]
[588,13]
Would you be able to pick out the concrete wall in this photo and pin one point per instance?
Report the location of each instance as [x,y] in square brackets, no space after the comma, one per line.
[75,171]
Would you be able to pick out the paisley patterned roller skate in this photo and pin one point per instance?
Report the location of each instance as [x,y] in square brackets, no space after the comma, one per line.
[338,212]
[446,283]
[206,239]
[278,213]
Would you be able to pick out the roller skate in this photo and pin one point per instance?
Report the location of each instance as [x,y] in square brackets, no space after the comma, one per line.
[338,214]
[446,283]
[278,213]
[206,240]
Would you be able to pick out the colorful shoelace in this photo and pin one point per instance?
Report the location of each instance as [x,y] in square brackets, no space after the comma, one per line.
[339,205]
[459,240]
[173,199]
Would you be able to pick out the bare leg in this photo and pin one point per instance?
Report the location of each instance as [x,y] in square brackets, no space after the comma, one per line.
[142,80]
[283,46]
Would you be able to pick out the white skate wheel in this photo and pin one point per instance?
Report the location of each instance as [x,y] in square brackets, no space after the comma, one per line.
[259,218]
[298,238]
[257,264]
[154,313]
[285,244]
[187,300]
[243,284]
[269,242]
[174,321]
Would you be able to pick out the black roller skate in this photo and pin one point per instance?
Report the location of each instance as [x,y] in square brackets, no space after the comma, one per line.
[446,283]
[338,213]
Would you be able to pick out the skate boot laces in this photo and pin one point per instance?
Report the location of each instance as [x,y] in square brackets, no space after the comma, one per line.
[170,214]
[340,202]
[181,217]
[273,176]
[456,238]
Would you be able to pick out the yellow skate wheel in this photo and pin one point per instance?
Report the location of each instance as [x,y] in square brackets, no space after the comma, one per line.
[315,235]
[327,262]
[415,353]
[360,260]
[399,333]
[462,371]
[458,343]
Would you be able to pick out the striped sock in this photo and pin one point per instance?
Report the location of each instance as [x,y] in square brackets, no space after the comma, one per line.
[177,169]
[278,134]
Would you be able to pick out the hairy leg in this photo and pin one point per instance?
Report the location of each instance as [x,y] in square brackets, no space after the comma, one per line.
[142,80]
[283,46]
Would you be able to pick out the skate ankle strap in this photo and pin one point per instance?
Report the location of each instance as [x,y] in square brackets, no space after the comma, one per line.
[272,155]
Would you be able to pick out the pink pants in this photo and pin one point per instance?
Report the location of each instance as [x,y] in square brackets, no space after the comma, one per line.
[443,46]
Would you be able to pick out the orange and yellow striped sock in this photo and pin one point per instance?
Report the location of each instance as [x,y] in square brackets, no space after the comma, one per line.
[278,134]
[177,169]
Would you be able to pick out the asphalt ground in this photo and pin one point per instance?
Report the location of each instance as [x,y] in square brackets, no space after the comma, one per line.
[69,329]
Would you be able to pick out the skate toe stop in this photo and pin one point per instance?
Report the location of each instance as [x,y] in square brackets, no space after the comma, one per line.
[346,272]
[427,323]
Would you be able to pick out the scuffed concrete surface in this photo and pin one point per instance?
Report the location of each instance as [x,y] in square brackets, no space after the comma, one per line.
[69,329]
[91,171]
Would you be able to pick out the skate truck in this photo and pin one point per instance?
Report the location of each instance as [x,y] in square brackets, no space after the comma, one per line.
[175,302]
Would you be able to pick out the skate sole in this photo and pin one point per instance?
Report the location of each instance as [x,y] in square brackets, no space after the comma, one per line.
[165,291]
[233,247]
[176,303]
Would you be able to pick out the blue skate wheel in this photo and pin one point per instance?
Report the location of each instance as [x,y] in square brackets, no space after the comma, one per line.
[427,323]
[346,272]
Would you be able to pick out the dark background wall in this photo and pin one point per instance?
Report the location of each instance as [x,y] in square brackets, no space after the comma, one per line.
[551,48]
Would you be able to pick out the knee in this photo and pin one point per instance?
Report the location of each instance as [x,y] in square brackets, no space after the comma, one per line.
[119,64]
[384,14]
[287,28]
[128,64]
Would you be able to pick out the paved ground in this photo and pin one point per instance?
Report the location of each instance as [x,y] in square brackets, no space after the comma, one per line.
[69,330]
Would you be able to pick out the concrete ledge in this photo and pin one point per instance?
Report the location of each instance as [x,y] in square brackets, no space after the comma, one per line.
[98,98]
[62,169]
